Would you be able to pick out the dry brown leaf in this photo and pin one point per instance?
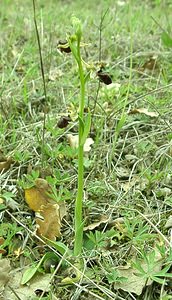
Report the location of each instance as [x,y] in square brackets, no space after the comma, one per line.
[5,164]
[50,226]
[127,186]
[2,251]
[38,195]
[50,213]
[25,292]
[4,274]
[73,141]
[1,240]
[103,220]
[134,283]
[151,64]
[143,111]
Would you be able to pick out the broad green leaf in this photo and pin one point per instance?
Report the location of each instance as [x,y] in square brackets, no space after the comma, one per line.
[86,128]
[166,39]
[29,273]
[60,247]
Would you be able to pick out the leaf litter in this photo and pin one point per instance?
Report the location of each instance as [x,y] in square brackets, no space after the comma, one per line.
[4,272]
[39,282]
[144,111]
[5,162]
[49,214]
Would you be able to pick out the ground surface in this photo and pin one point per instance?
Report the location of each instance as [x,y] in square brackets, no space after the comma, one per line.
[128,171]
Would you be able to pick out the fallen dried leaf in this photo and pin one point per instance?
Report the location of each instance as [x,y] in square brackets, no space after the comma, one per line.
[50,226]
[50,213]
[127,186]
[2,251]
[103,220]
[134,283]
[5,164]
[38,195]
[143,111]
[26,292]
[4,274]
[151,64]
[1,240]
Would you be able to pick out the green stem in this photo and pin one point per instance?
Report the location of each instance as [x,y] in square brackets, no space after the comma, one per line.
[79,198]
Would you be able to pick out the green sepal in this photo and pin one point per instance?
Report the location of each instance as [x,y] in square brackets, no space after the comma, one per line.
[87,77]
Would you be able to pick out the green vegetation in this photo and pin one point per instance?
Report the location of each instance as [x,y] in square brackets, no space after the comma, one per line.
[113,196]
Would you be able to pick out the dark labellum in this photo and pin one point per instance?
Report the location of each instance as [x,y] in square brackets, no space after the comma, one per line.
[63,122]
[40,292]
[104,77]
[63,46]
[86,109]
[73,275]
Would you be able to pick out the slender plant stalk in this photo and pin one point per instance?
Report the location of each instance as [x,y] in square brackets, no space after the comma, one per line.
[79,198]
[43,80]
[83,130]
